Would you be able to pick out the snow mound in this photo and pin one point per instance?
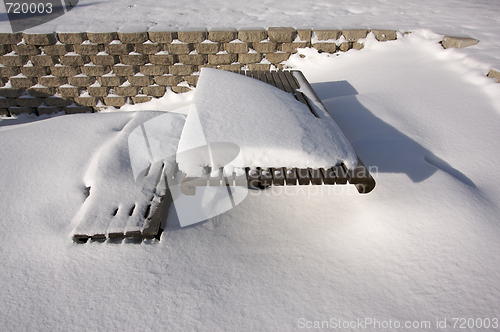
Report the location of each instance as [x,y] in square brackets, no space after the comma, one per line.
[270,126]
[123,176]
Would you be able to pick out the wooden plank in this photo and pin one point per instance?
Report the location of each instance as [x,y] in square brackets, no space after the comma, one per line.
[340,174]
[266,177]
[316,176]
[80,238]
[288,88]
[300,97]
[269,78]
[279,176]
[277,81]
[134,234]
[309,104]
[153,221]
[253,74]
[260,75]
[328,175]
[309,86]
[116,235]
[98,237]
[253,176]
[291,80]
[291,176]
[303,176]
[361,178]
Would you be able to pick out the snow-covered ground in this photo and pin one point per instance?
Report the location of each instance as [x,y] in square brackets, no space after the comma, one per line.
[424,246]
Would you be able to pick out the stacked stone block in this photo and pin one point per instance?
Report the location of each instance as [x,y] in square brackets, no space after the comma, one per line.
[82,72]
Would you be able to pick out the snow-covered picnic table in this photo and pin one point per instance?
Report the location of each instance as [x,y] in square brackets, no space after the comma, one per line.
[255,130]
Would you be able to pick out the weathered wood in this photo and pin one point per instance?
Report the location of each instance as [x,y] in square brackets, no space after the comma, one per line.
[300,97]
[316,176]
[361,178]
[286,85]
[269,78]
[291,176]
[278,176]
[133,233]
[277,81]
[266,177]
[328,176]
[116,235]
[291,80]
[98,237]
[153,222]
[309,85]
[260,75]
[340,174]
[303,176]
[80,238]
[253,177]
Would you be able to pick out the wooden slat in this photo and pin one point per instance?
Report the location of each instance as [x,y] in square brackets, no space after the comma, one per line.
[328,175]
[303,176]
[288,88]
[116,235]
[279,176]
[300,97]
[291,80]
[309,85]
[316,176]
[133,233]
[152,228]
[266,177]
[80,238]
[253,177]
[340,174]
[361,178]
[277,81]
[290,176]
[269,78]
[98,237]
[260,75]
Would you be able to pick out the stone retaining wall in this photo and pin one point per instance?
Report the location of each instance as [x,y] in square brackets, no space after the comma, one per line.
[82,72]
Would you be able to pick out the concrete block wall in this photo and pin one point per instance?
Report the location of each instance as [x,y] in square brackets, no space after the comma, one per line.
[83,72]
